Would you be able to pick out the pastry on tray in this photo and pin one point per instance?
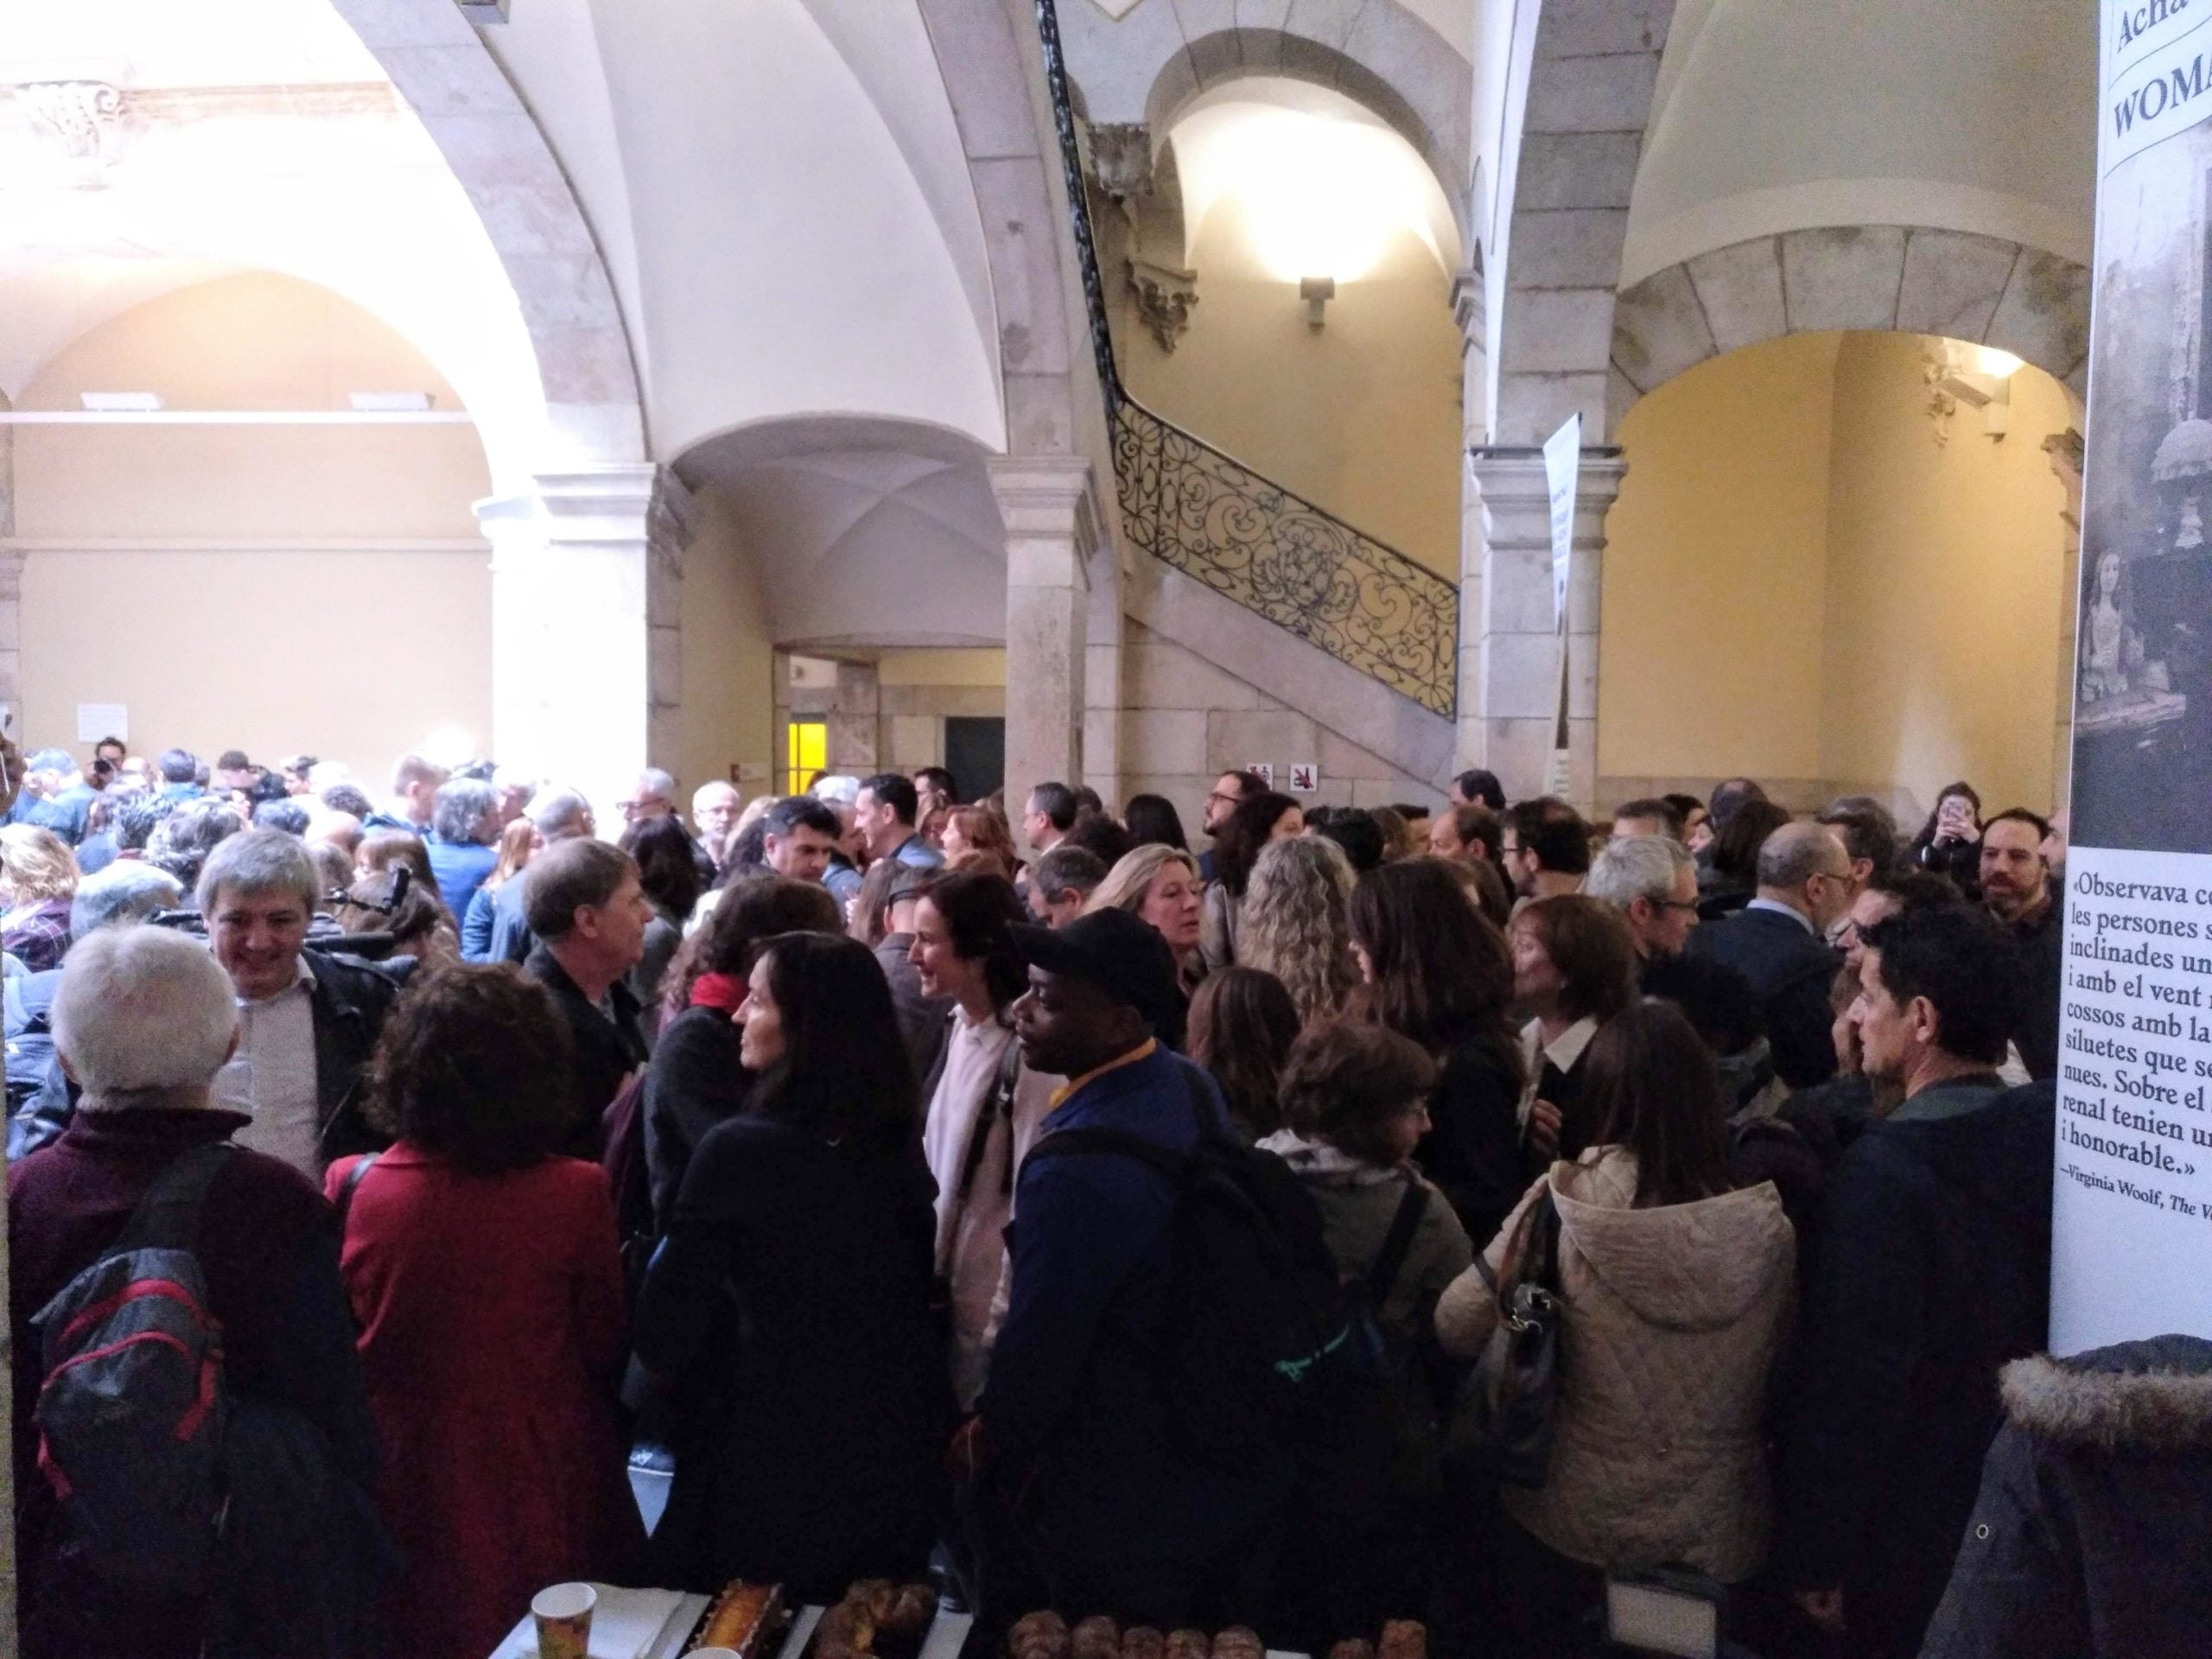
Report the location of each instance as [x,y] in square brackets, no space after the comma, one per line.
[1238,1642]
[1142,1642]
[1353,1648]
[1405,1638]
[1188,1645]
[1038,1636]
[1097,1638]
[746,1618]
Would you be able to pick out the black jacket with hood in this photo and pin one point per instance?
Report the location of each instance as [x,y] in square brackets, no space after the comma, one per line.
[1934,1271]
[2088,1540]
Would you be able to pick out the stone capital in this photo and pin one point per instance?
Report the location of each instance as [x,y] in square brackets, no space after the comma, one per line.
[1054,519]
[1517,494]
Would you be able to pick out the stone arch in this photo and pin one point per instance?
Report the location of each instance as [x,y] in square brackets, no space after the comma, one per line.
[1385,66]
[501,161]
[1911,279]
[1591,73]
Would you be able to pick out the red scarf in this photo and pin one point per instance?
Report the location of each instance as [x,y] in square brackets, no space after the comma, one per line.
[723,991]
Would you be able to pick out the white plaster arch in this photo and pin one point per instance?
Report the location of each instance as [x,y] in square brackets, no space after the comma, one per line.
[1912,279]
[862,530]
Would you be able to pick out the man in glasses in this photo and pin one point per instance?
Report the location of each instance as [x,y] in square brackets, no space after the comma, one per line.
[1652,881]
[1227,790]
[1778,943]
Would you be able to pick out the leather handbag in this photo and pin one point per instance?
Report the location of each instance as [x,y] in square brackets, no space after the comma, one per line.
[1502,1423]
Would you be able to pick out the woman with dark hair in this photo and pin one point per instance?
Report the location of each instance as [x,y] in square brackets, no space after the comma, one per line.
[1243,1023]
[1676,1291]
[985,1108]
[1255,821]
[485,1283]
[668,870]
[788,1312]
[1949,844]
[696,1077]
[1733,872]
[1438,973]
[1574,966]
[1150,818]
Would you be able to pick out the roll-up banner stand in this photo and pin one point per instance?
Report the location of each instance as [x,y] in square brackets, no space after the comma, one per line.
[2132,1213]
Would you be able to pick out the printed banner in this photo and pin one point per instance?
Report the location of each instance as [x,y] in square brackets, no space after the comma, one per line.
[2132,1213]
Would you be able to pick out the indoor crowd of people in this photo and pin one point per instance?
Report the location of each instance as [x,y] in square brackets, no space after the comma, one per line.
[1025,1200]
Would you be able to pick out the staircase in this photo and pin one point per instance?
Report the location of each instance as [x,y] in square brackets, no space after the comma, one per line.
[1308,616]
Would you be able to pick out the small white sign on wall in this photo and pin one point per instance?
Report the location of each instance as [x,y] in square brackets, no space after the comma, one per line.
[98,720]
[1264,770]
[1305,777]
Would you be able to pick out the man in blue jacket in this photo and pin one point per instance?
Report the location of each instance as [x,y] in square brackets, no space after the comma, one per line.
[1123,1521]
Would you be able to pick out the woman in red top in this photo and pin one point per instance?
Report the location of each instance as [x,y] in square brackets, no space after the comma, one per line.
[484,1276]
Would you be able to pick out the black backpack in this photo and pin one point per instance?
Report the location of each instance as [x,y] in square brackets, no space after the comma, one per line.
[1255,1322]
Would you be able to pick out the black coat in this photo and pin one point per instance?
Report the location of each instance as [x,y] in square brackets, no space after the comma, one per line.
[696,1081]
[1934,1271]
[1472,1149]
[2043,970]
[788,1315]
[606,1051]
[1791,969]
[2088,1540]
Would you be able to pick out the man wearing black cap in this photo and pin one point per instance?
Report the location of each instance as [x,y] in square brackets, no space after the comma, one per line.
[1125,1523]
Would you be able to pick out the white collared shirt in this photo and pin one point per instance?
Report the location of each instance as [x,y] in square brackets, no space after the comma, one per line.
[1562,1051]
[271,1078]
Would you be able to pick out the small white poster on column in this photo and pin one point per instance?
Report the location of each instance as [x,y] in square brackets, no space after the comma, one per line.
[2131,1210]
[1562,464]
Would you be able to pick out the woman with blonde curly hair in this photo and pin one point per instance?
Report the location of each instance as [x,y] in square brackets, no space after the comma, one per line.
[1296,924]
[1160,884]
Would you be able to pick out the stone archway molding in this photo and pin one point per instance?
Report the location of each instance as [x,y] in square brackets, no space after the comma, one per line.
[499,157]
[1909,279]
[1383,64]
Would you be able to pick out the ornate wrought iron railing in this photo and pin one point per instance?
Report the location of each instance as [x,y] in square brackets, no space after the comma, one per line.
[1208,515]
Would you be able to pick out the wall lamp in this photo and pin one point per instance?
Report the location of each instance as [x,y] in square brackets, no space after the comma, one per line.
[1316,291]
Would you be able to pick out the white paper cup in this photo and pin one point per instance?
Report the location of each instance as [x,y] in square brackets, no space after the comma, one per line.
[713,1653]
[564,1615]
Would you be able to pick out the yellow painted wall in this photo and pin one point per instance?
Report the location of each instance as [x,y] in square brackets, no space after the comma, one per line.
[1801,583]
[1945,571]
[728,661]
[1361,417]
[187,573]
[1715,568]
[941,668]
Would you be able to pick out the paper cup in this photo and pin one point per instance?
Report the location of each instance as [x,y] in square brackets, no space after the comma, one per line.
[563,1615]
[713,1653]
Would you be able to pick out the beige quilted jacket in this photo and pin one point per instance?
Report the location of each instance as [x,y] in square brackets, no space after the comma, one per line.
[1673,1318]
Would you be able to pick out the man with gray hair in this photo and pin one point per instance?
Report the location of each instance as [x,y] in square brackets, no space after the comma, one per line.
[1652,881]
[464,824]
[1779,943]
[308,1019]
[143,1020]
[556,814]
[653,796]
[1062,881]
[39,1100]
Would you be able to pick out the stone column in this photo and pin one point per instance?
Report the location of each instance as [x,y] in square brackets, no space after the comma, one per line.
[1508,655]
[586,587]
[1101,675]
[1054,527]
[854,737]
[2065,450]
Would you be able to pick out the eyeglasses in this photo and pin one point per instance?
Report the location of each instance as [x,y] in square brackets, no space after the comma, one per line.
[1673,904]
[1226,800]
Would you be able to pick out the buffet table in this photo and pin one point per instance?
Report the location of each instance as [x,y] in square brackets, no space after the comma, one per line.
[658,1623]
